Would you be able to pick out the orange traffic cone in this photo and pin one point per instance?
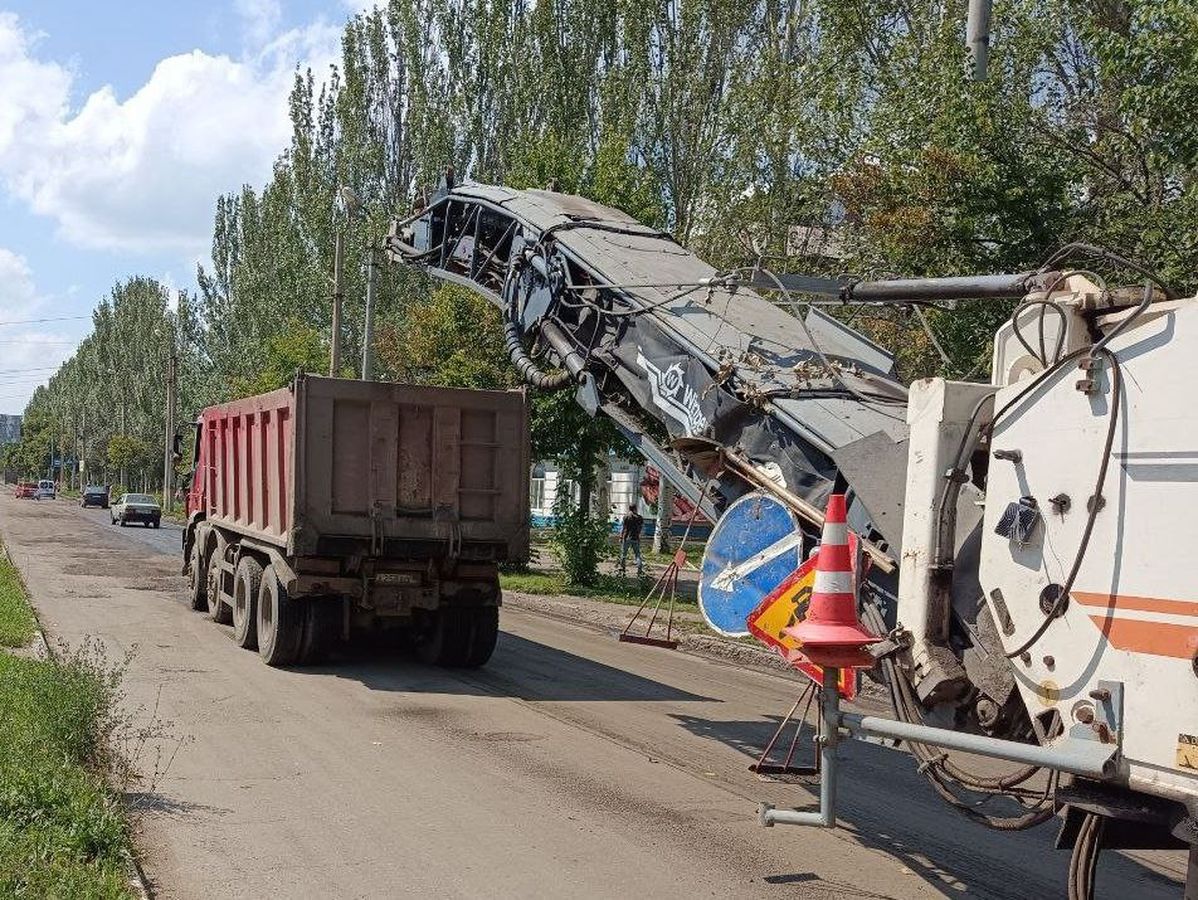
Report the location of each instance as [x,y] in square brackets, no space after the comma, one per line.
[831,634]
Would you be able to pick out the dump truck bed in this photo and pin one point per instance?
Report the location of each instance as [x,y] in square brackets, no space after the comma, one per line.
[330,467]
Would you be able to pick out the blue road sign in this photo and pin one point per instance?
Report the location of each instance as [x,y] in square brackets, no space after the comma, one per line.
[754,546]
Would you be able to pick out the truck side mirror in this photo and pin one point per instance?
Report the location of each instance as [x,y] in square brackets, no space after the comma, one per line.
[177,447]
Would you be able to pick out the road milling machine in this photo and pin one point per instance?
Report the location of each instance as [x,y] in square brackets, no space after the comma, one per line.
[1031,564]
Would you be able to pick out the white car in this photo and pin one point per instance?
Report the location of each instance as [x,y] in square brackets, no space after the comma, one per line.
[46,489]
[136,508]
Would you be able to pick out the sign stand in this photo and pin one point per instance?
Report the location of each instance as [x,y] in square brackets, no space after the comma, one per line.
[766,769]
[667,581]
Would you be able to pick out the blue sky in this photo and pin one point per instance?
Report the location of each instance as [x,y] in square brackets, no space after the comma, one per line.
[119,125]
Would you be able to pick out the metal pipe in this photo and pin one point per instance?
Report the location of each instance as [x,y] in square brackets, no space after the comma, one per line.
[826,816]
[338,296]
[1091,759]
[1126,323]
[969,287]
[368,326]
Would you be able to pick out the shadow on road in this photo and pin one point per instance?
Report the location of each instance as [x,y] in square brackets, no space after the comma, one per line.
[520,668]
[888,806]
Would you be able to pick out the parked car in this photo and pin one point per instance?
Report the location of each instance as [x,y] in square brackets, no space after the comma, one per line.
[136,508]
[95,495]
[46,489]
[26,490]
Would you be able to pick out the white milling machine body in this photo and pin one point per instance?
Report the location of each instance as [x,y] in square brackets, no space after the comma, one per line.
[1076,469]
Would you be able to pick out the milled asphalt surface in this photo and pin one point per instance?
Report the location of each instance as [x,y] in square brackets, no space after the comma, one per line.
[572,765]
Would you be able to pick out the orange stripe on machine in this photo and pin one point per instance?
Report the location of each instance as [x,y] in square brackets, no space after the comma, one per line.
[1126,602]
[1155,638]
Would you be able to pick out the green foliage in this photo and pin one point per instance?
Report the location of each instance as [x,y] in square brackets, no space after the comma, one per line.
[452,338]
[298,348]
[126,452]
[580,540]
[16,616]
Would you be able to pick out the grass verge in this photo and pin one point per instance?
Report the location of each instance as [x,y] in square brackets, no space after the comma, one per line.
[16,616]
[62,829]
[608,588]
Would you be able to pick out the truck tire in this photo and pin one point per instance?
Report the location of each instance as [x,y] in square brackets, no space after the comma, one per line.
[484,636]
[247,583]
[280,622]
[322,620]
[460,637]
[218,609]
[197,577]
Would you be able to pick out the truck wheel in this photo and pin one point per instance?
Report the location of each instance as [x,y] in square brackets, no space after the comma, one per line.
[484,636]
[247,582]
[322,620]
[218,609]
[460,637]
[280,622]
[197,577]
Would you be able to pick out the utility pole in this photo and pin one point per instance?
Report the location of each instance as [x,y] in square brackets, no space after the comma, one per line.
[168,463]
[338,296]
[977,37]
[368,329]
[665,514]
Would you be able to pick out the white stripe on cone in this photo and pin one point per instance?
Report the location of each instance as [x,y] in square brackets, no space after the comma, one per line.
[833,583]
[835,533]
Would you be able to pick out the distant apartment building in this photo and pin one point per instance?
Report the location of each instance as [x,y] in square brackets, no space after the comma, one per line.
[10,429]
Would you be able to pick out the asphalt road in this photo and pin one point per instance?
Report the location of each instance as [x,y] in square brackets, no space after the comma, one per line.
[572,765]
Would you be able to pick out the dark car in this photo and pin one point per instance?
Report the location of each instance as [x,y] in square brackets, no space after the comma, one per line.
[136,508]
[95,495]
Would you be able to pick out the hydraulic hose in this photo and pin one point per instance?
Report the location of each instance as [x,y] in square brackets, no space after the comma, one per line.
[528,369]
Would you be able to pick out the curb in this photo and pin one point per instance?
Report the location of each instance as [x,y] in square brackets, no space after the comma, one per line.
[708,646]
[704,644]
[39,648]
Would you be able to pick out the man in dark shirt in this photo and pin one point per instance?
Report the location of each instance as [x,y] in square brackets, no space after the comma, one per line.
[630,537]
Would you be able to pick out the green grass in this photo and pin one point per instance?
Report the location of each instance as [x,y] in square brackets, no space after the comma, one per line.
[62,830]
[608,588]
[16,616]
[694,554]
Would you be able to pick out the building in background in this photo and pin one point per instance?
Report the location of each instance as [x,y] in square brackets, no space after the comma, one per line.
[10,429]
[625,483]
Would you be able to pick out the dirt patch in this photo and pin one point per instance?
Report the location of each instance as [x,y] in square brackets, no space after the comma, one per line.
[105,567]
[164,584]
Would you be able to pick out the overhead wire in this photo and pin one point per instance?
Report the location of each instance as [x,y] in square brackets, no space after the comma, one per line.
[40,321]
[1079,248]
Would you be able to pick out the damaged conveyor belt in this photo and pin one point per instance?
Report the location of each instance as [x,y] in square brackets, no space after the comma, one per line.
[671,348]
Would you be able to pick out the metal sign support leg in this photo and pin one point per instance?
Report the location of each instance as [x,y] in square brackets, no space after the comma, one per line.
[767,815]
[1081,753]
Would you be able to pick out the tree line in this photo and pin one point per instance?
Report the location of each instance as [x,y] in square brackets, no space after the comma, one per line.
[734,124]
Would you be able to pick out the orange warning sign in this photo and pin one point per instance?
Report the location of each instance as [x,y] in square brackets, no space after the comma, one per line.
[784,606]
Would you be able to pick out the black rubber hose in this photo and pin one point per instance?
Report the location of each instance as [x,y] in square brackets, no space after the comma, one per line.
[1096,504]
[528,369]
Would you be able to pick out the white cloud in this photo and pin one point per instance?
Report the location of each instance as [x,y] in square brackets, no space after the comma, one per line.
[143,172]
[28,354]
[261,18]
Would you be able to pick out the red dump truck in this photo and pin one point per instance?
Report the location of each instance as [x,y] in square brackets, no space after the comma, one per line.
[336,505]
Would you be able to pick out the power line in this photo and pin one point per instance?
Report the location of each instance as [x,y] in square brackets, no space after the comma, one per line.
[35,343]
[40,321]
